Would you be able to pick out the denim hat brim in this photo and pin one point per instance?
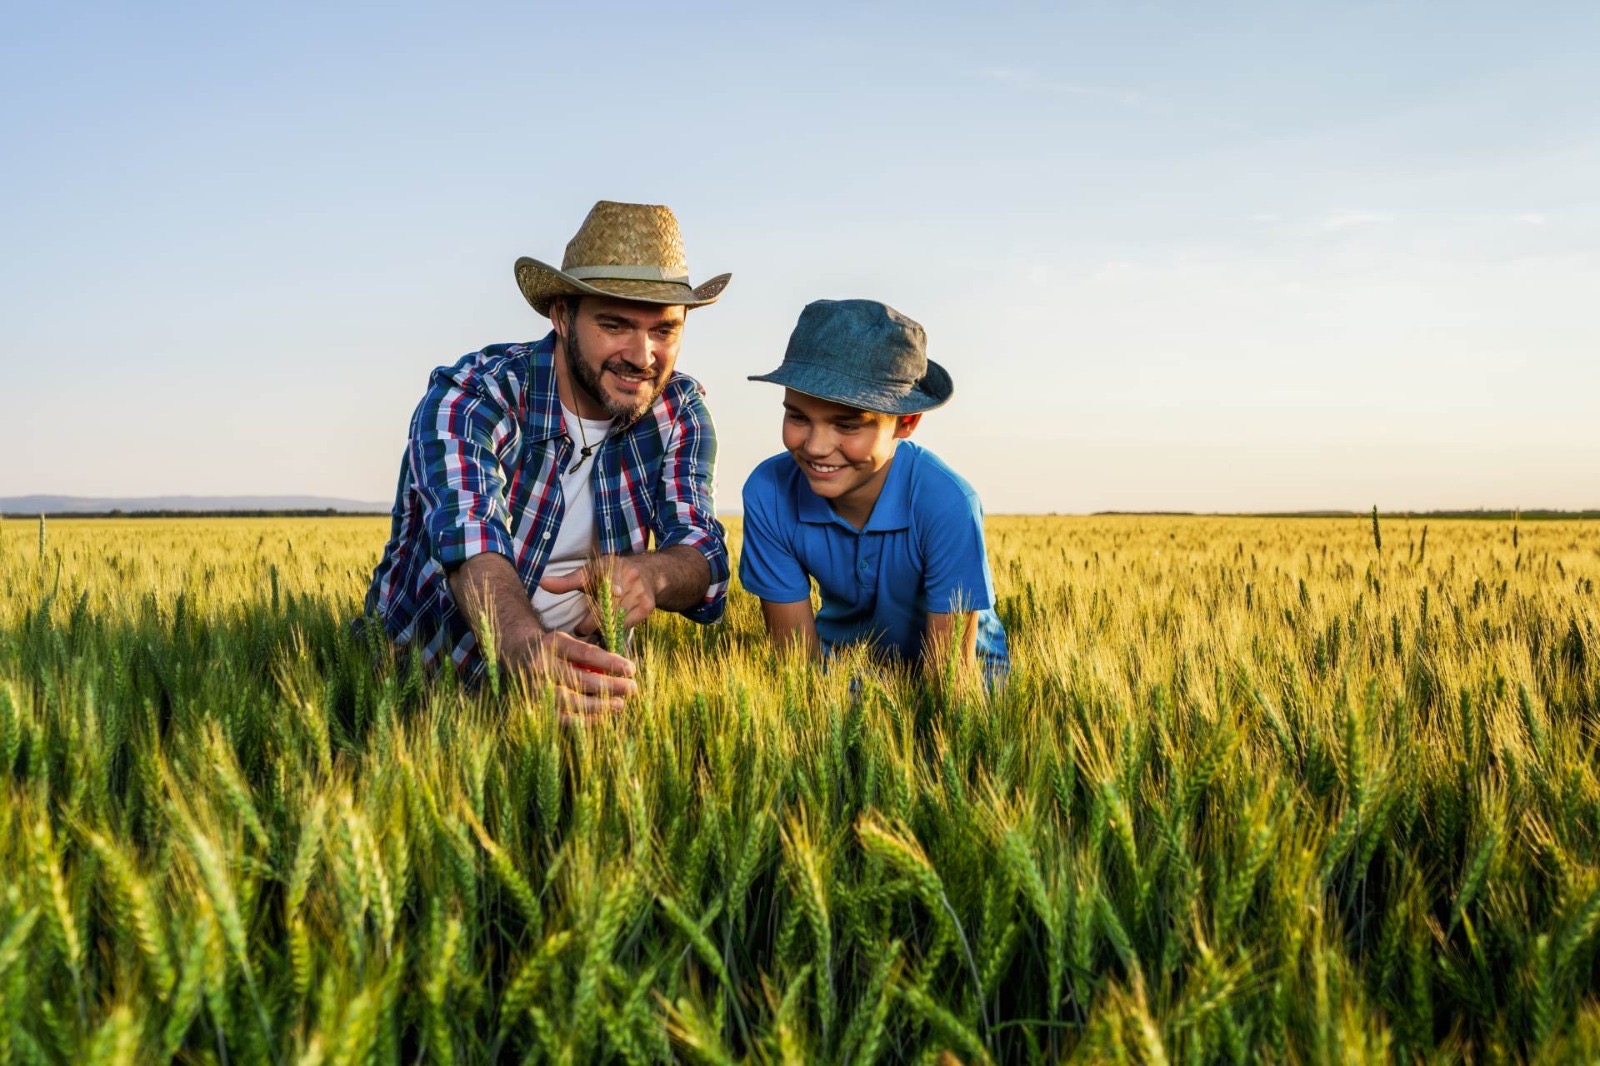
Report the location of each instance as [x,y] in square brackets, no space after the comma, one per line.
[827,383]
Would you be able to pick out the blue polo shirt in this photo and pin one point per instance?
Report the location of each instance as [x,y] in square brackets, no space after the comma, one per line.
[920,551]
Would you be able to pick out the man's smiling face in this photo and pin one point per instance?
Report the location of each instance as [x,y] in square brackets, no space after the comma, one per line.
[619,354]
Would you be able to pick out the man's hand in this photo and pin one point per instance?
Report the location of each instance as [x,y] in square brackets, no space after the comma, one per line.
[588,680]
[672,579]
[634,588]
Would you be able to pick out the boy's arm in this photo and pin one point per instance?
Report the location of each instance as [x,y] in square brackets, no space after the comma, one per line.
[792,625]
[768,566]
[938,639]
[956,581]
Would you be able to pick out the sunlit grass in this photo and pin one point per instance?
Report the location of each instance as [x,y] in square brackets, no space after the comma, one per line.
[1256,790]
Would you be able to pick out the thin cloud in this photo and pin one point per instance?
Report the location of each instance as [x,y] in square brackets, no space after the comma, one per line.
[1025,78]
[1343,220]
[1352,219]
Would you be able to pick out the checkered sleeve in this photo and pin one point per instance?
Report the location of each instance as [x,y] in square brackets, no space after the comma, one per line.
[459,433]
[686,510]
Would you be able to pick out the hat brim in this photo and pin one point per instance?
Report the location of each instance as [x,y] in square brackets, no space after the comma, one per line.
[934,390]
[541,283]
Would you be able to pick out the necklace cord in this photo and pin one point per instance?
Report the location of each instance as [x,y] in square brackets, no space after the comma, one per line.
[587,449]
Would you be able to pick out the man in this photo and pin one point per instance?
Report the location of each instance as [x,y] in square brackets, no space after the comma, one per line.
[534,471]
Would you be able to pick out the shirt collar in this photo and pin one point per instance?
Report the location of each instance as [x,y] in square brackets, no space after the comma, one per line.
[892,510]
[544,394]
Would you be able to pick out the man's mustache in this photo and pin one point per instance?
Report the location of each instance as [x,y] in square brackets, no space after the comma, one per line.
[617,366]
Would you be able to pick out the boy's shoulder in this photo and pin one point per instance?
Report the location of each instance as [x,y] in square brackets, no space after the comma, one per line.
[772,484]
[779,471]
[935,484]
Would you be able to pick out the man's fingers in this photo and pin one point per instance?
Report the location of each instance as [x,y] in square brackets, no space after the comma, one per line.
[635,599]
[587,669]
[635,603]
[576,708]
[629,589]
[575,704]
[573,582]
[581,654]
[594,683]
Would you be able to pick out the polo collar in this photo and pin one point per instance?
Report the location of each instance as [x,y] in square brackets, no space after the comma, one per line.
[892,510]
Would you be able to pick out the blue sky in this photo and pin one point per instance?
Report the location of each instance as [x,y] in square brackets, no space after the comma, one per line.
[1197,256]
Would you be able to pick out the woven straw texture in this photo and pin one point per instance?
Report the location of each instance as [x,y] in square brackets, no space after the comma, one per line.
[629,236]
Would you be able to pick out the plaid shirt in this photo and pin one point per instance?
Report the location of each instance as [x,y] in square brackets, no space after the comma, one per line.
[481,474]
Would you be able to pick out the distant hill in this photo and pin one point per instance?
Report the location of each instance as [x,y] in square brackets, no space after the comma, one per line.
[22,506]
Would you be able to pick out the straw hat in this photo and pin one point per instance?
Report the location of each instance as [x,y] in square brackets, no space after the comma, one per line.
[630,251]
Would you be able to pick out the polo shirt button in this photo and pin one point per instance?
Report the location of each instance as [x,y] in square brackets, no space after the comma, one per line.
[547,534]
[863,566]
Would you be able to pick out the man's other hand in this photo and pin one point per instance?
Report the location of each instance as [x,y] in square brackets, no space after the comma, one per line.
[633,588]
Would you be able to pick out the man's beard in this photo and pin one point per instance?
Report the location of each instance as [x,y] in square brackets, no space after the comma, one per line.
[588,380]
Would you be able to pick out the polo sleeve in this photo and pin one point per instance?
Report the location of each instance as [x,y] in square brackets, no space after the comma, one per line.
[686,510]
[956,574]
[459,432]
[768,567]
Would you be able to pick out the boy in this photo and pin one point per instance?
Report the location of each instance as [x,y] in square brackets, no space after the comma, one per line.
[893,536]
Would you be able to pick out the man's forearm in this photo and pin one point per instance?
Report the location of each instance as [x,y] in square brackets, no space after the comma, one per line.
[679,575]
[489,593]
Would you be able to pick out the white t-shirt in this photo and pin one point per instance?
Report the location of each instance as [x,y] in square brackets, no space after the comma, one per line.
[575,538]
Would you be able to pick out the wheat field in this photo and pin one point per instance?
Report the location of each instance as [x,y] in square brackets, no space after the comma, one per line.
[1256,790]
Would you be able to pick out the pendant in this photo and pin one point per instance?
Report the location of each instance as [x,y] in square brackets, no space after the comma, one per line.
[583,455]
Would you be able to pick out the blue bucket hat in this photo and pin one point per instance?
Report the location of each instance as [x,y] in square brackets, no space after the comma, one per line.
[863,354]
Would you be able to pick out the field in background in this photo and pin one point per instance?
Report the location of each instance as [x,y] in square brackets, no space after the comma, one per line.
[1256,789]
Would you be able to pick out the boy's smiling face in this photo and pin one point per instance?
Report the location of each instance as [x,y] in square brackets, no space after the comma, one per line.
[843,451]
